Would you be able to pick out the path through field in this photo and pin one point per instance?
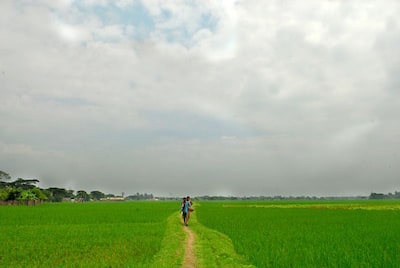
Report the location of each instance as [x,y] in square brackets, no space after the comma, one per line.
[189,258]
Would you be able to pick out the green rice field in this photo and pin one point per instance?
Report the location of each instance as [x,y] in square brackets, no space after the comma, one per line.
[310,234]
[227,234]
[83,234]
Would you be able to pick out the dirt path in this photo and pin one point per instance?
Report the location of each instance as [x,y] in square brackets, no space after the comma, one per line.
[189,258]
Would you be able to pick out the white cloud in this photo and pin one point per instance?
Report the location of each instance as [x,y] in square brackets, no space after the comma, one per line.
[71,33]
[353,134]
[270,93]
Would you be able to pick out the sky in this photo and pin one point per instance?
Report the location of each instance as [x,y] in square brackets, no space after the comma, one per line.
[201,97]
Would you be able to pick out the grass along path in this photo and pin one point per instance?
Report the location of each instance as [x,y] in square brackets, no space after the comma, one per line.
[195,246]
[172,246]
[212,248]
[177,248]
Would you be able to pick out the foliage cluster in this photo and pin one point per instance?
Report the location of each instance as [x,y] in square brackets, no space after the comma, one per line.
[19,194]
[24,189]
[139,196]
[271,236]
[20,189]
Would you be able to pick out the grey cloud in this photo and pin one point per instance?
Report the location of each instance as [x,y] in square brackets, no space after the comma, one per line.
[278,99]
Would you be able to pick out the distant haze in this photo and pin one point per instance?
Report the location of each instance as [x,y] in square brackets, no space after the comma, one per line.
[202,97]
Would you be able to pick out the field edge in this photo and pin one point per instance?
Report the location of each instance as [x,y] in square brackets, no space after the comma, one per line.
[214,249]
[172,246]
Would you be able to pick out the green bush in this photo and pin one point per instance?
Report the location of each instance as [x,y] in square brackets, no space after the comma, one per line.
[27,195]
[39,194]
[3,194]
[13,194]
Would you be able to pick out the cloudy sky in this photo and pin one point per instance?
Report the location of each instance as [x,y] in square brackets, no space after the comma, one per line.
[202,97]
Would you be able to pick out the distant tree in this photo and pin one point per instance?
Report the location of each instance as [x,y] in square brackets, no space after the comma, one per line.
[55,194]
[3,194]
[20,189]
[26,195]
[39,193]
[139,196]
[97,195]
[48,194]
[377,196]
[4,177]
[24,184]
[19,194]
[14,194]
[82,195]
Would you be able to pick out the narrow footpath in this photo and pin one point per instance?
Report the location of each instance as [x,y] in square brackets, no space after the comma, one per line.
[189,258]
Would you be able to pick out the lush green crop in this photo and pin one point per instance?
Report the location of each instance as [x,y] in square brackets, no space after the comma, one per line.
[150,234]
[126,234]
[309,234]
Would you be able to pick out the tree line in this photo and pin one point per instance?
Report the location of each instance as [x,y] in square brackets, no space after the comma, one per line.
[25,190]
[395,195]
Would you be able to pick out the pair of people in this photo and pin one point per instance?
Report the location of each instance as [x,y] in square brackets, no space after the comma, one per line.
[186,208]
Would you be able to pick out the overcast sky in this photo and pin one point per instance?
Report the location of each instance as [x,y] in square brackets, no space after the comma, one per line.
[202,97]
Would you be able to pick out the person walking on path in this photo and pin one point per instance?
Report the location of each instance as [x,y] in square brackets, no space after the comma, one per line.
[186,207]
[190,208]
[184,210]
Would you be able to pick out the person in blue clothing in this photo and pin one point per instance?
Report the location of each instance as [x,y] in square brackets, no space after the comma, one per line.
[186,207]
